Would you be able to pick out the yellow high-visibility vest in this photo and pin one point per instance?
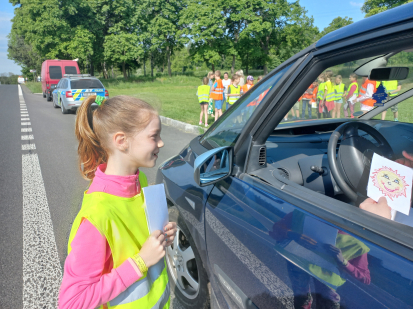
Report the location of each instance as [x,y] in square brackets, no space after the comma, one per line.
[391,85]
[339,91]
[234,90]
[330,91]
[203,93]
[356,92]
[123,223]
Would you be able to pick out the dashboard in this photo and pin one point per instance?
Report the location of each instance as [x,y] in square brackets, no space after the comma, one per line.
[297,151]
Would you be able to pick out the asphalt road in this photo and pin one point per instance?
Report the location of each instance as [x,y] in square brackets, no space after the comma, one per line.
[40,194]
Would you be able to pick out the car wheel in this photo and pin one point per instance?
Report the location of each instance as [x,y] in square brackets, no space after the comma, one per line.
[54,104]
[64,110]
[187,276]
[44,95]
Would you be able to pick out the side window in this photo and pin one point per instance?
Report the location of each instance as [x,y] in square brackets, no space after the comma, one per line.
[70,70]
[55,72]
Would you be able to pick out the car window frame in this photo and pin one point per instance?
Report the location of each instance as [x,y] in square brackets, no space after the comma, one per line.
[393,236]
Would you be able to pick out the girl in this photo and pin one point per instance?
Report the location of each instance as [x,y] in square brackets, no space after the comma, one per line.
[226,82]
[339,93]
[240,73]
[320,94]
[329,94]
[211,101]
[203,98]
[351,95]
[233,91]
[112,260]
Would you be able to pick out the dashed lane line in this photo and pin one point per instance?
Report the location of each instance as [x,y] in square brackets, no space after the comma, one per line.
[42,272]
[23,119]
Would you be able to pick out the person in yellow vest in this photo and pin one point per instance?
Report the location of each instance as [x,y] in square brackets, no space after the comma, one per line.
[392,88]
[338,99]
[327,105]
[217,94]
[320,94]
[351,95]
[233,91]
[203,98]
[113,261]
[367,89]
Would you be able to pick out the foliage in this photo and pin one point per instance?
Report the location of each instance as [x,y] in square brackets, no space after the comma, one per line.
[373,7]
[8,78]
[337,23]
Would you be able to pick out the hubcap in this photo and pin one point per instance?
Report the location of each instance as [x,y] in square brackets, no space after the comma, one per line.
[182,265]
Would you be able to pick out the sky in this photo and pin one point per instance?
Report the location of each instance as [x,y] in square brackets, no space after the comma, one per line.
[323,11]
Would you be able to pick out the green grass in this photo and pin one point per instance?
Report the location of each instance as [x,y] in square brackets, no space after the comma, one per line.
[34,87]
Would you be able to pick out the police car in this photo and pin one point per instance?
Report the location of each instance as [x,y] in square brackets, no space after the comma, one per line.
[72,89]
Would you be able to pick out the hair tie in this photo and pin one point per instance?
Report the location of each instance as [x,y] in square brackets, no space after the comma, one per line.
[99,100]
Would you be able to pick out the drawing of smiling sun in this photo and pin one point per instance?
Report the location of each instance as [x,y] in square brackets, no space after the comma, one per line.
[389,182]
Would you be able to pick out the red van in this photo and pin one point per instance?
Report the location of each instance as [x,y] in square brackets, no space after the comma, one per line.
[53,71]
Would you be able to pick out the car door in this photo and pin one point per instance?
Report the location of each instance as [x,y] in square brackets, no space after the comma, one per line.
[55,92]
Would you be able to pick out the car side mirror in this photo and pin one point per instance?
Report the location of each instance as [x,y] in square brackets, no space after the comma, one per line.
[213,166]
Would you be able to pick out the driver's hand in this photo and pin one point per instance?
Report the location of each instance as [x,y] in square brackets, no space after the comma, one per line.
[407,160]
[379,208]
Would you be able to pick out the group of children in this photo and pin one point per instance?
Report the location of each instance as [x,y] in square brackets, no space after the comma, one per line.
[328,94]
[221,91]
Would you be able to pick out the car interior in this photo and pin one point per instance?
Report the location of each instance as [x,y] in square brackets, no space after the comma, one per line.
[297,151]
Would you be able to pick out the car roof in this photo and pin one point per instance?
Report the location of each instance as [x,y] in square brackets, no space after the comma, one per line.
[384,19]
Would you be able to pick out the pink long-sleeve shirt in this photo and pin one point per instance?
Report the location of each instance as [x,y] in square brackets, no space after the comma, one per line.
[89,278]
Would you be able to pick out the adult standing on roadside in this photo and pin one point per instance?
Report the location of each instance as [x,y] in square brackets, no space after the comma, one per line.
[226,82]
[240,73]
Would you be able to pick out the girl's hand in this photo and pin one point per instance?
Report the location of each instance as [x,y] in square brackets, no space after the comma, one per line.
[153,250]
[379,208]
[170,233]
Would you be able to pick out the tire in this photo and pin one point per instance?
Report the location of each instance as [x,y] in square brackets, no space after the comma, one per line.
[44,95]
[193,268]
[48,98]
[54,104]
[64,110]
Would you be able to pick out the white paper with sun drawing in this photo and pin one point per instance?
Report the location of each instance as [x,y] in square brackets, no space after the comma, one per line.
[391,180]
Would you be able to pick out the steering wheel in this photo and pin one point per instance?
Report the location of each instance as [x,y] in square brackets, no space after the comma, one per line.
[351,167]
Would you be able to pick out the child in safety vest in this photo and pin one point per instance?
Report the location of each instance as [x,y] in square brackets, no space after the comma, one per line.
[203,98]
[233,91]
[306,98]
[248,85]
[320,94]
[226,82]
[112,259]
[392,89]
[217,94]
[351,95]
[338,100]
[329,95]
[313,100]
[211,101]
[365,97]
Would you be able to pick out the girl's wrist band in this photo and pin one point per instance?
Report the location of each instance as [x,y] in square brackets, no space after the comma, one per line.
[140,263]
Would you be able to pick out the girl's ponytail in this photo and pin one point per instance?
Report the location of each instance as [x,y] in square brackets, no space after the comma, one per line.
[91,153]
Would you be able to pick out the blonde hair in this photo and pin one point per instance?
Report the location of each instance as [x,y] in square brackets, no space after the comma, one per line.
[210,73]
[205,80]
[328,75]
[339,77]
[93,127]
[234,77]
[218,72]
[322,76]
[240,73]
[259,78]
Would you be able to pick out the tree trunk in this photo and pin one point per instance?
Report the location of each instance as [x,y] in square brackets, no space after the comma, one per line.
[113,74]
[105,72]
[233,65]
[266,55]
[213,68]
[144,67]
[92,69]
[246,71]
[169,61]
[124,70]
[151,65]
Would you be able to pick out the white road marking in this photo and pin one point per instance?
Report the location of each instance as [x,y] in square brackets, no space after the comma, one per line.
[26,130]
[20,93]
[26,123]
[22,119]
[42,273]
[27,137]
[28,146]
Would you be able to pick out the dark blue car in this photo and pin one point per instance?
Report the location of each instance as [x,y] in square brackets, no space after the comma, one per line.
[267,206]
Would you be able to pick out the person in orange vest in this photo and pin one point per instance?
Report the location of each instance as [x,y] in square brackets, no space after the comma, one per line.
[248,85]
[313,101]
[217,94]
[308,94]
[366,95]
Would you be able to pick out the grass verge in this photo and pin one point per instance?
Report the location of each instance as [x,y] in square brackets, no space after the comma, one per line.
[34,87]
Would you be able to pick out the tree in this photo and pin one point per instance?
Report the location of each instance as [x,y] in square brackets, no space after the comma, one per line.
[335,24]
[372,7]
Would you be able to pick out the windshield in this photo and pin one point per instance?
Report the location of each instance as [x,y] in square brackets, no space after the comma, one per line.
[344,91]
[85,84]
[230,125]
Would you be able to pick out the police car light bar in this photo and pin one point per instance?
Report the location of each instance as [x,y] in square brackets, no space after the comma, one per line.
[77,75]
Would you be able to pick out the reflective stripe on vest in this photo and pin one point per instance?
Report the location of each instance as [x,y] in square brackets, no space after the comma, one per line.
[330,91]
[391,85]
[339,91]
[363,90]
[320,92]
[118,218]
[234,90]
[356,92]
[203,93]
[217,93]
